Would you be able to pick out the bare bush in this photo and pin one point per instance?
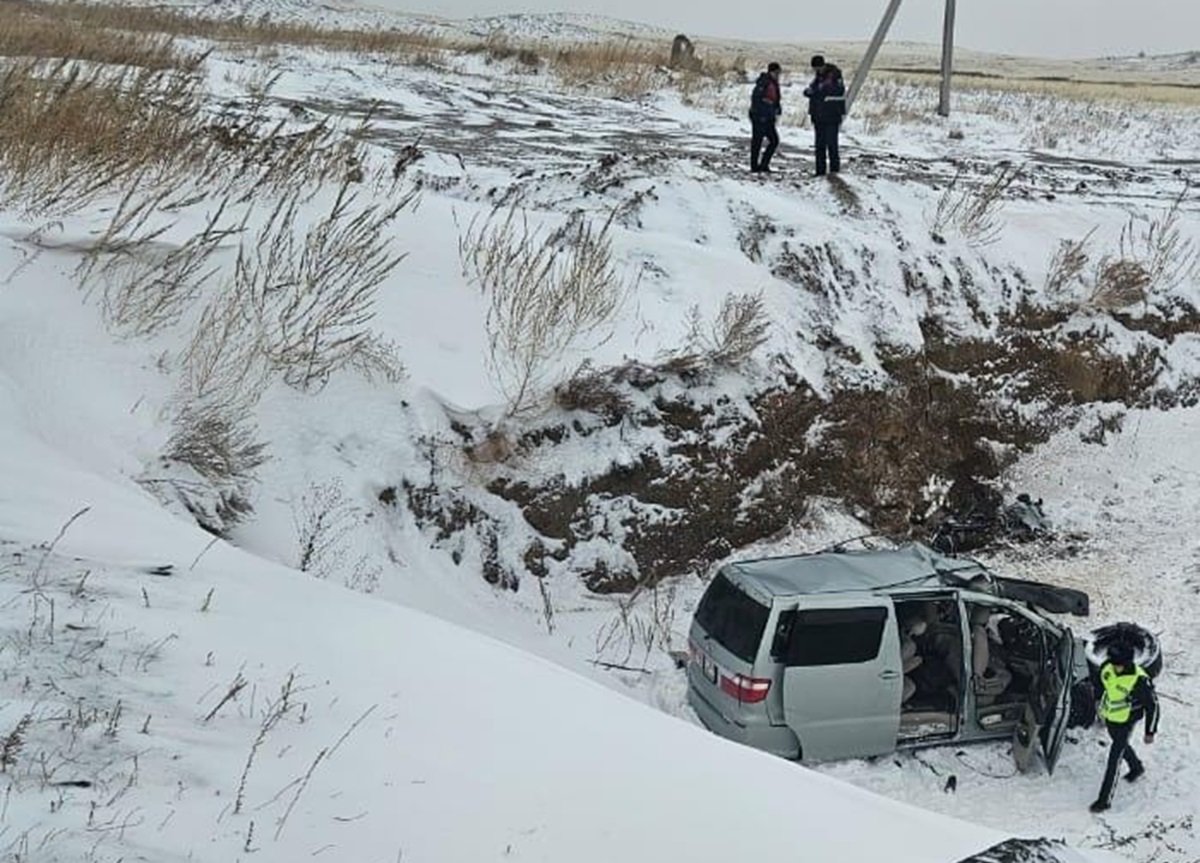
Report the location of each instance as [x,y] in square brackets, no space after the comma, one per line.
[1068,265]
[315,295]
[1154,259]
[548,294]
[1119,283]
[323,518]
[147,287]
[593,390]
[210,462]
[1160,248]
[974,210]
[739,329]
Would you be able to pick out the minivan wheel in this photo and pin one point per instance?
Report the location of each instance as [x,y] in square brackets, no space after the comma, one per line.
[1146,650]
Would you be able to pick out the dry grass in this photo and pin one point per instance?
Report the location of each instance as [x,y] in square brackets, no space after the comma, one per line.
[103,21]
[548,294]
[629,68]
[50,31]
[70,133]
[66,133]
[1153,258]
[1072,89]
[974,210]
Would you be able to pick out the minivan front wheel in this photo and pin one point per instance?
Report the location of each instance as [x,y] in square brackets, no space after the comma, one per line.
[1146,650]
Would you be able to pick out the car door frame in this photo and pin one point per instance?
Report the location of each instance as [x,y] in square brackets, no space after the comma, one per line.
[1051,727]
[845,710]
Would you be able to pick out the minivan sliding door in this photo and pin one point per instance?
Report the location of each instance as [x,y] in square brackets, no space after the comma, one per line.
[842,680]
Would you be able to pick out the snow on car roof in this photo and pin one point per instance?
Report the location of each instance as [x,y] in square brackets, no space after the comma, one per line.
[851,571]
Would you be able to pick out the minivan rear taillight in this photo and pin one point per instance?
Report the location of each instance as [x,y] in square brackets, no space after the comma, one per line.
[747,690]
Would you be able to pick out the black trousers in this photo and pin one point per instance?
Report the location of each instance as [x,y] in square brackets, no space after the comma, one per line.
[762,130]
[826,146]
[1120,749]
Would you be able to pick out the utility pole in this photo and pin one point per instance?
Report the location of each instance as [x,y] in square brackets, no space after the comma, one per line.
[947,58]
[889,15]
[864,66]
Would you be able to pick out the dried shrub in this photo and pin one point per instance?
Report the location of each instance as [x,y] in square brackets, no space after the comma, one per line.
[547,294]
[974,210]
[1119,283]
[210,462]
[1068,265]
[314,296]
[323,519]
[592,390]
[146,288]
[740,328]
[1150,260]
[212,456]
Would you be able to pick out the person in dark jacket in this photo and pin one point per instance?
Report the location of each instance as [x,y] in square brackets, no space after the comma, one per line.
[1127,698]
[765,108]
[818,64]
[826,108]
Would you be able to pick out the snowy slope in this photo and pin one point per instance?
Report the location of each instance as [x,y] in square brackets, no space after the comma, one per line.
[404,737]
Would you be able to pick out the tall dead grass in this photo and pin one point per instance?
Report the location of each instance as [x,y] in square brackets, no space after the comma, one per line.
[72,132]
[117,23]
[68,131]
[52,31]
[629,68]
[548,294]
[1153,258]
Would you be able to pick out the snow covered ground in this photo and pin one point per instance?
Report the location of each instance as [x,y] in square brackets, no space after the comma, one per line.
[440,717]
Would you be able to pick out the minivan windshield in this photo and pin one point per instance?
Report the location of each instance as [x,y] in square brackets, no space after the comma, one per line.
[732,618]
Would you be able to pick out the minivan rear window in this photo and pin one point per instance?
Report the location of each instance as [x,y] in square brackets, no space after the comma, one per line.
[733,618]
[841,636]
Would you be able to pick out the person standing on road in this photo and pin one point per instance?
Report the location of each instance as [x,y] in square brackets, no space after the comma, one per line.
[826,108]
[765,108]
[1128,697]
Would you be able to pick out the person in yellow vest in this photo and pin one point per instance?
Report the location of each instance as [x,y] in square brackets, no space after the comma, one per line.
[1128,697]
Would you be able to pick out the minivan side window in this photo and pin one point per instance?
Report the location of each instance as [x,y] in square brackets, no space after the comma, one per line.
[733,618]
[838,636]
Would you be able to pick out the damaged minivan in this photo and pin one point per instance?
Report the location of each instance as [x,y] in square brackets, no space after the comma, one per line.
[844,654]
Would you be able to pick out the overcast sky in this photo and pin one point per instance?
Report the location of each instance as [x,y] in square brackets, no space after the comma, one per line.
[1054,28]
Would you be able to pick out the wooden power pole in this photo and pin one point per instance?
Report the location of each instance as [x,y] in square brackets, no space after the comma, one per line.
[860,74]
[947,58]
[889,15]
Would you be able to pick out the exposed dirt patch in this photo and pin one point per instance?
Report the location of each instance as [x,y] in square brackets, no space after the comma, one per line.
[960,409]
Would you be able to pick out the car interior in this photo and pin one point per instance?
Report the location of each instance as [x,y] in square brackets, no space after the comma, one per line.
[931,649]
[1006,653]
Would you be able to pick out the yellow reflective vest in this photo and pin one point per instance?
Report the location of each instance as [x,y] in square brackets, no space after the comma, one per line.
[1116,705]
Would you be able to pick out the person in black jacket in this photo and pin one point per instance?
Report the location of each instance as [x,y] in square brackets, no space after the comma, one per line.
[1128,696]
[826,107]
[765,107]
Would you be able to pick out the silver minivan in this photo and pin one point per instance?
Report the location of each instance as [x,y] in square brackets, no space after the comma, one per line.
[846,654]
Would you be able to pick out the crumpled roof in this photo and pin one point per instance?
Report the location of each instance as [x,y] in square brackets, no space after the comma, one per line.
[852,571]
